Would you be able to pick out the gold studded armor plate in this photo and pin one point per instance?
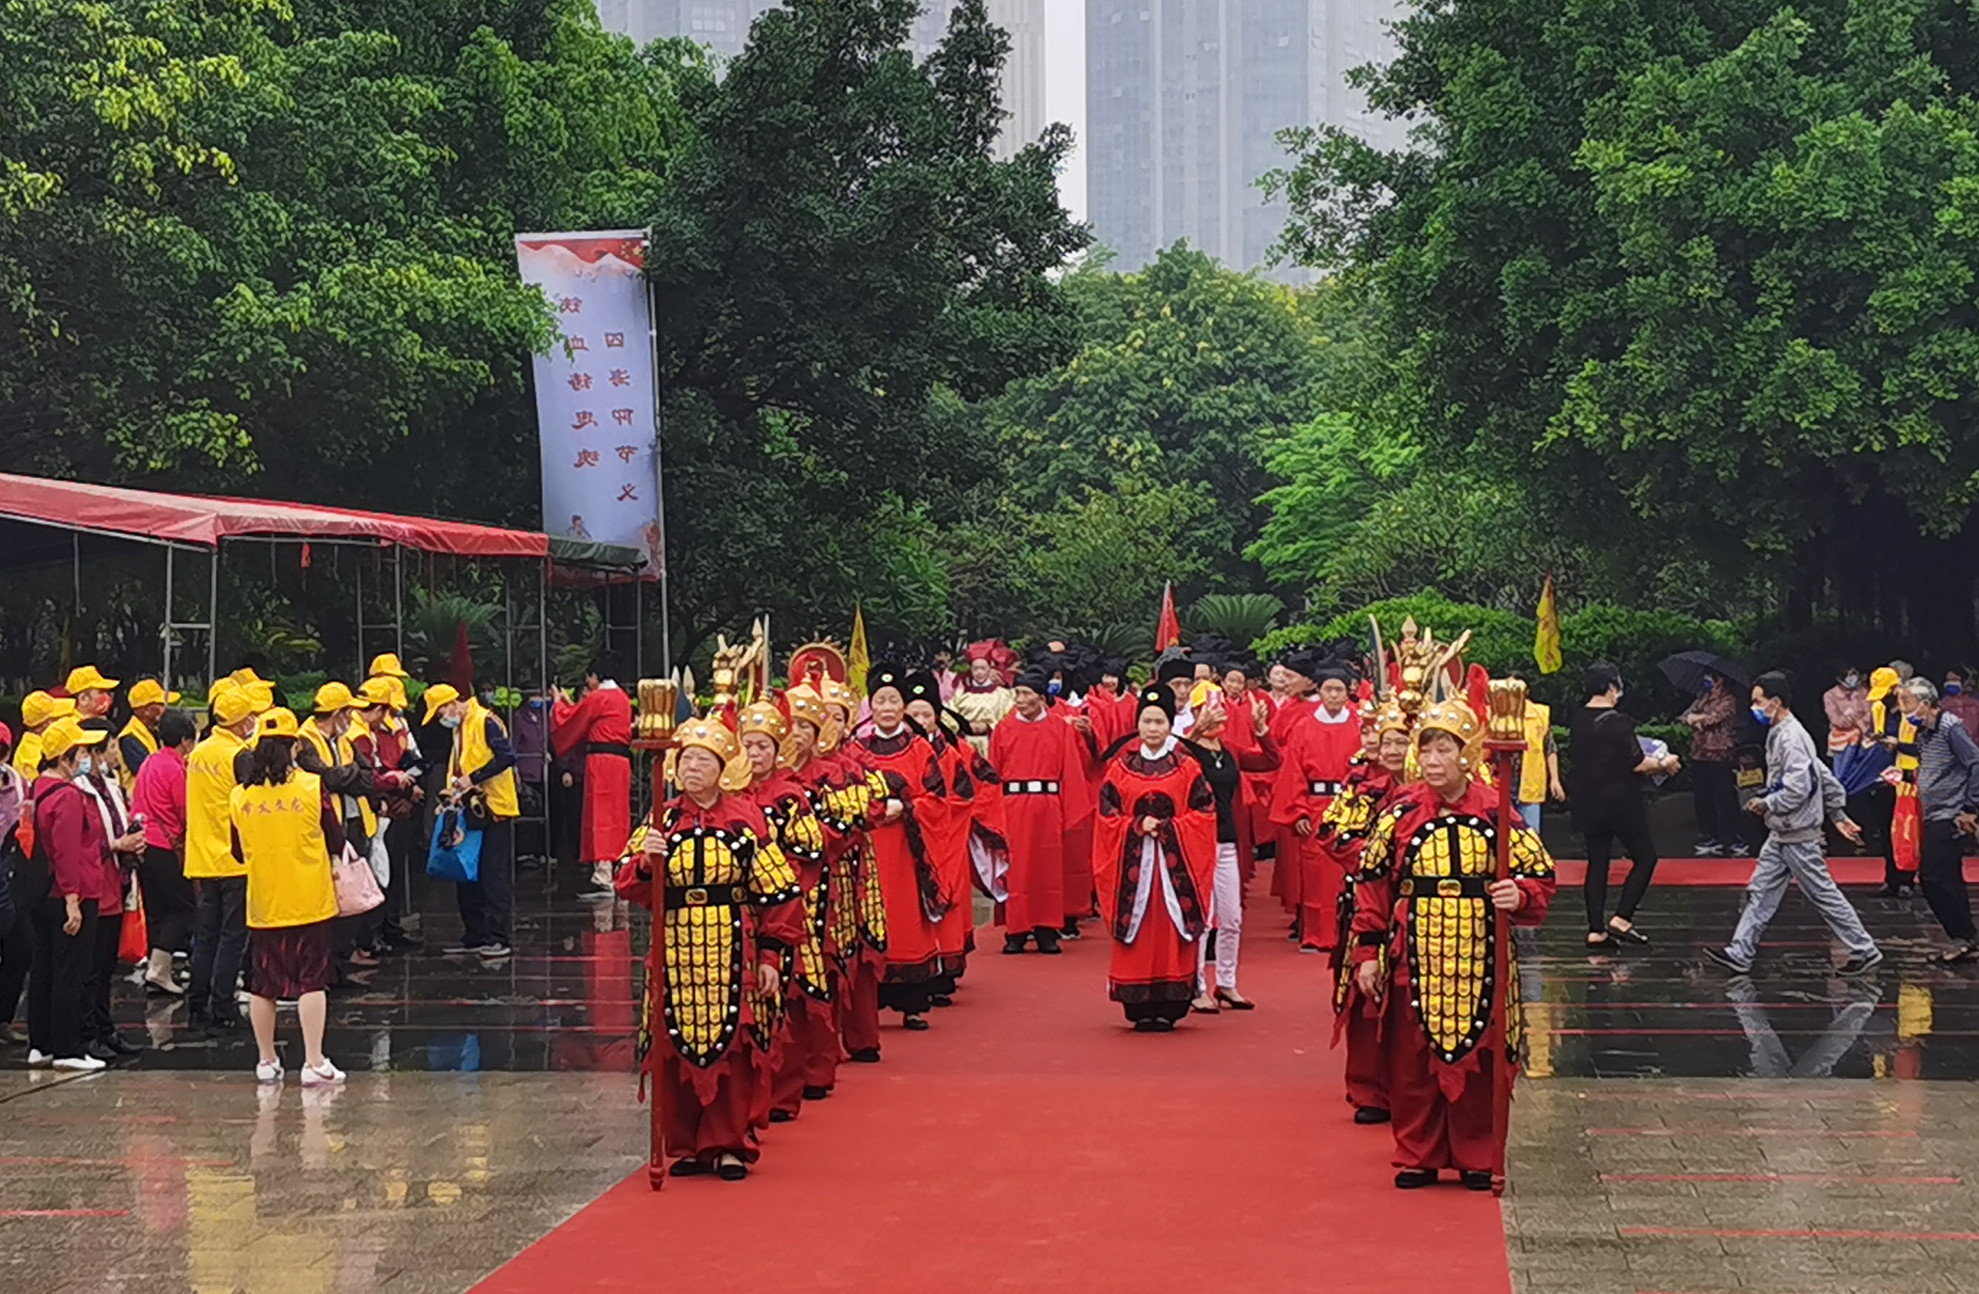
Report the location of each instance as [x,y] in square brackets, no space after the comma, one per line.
[704,944]
[802,836]
[1446,864]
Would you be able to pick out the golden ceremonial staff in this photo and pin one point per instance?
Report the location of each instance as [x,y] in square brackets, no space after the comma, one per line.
[1506,743]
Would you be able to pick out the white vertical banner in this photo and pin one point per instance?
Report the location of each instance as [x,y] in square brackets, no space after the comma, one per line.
[594,389]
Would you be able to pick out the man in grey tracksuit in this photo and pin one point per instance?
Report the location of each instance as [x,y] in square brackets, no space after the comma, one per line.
[1801,794]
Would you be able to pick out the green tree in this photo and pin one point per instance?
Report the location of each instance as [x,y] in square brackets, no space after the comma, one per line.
[844,255]
[1698,272]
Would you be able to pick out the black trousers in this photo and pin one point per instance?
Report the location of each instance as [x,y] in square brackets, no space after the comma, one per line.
[1941,872]
[219,942]
[1716,798]
[486,905]
[96,1024]
[60,975]
[1641,851]
[16,956]
[1878,806]
[169,903]
[1139,1011]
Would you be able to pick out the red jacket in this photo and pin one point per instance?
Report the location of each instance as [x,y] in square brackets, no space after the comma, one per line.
[69,832]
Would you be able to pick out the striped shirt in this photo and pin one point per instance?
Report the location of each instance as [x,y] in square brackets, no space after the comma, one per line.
[1947,768]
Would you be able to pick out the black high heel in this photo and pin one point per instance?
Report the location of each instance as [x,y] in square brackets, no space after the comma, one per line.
[1628,936]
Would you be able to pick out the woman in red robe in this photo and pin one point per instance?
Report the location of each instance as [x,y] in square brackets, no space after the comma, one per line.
[1318,741]
[1154,864]
[727,911]
[1038,758]
[910,804]
[957,831]
[855,914]
[599,728]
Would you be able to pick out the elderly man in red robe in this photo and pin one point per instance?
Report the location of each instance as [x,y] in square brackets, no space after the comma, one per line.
[599,728]
[1318,741]
[1038,759]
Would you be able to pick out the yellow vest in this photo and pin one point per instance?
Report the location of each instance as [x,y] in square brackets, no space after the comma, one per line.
[288,859]
[27,756]
[145,738]
[346,753]
[471,751]
[209,806]
[1532,767]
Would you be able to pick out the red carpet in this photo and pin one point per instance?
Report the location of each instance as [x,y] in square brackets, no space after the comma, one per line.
[1734,871]
[1030,1141]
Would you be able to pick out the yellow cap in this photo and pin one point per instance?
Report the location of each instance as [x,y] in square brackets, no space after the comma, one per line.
[65,734]
[149,691]
[388,663]
[333,696]
[276,723]
[87,678]
[381,689]
[438,695]
[39,708]
[1881,683]
[246,677]
[232,703]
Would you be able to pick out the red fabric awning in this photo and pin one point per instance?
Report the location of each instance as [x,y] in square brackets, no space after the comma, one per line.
[202,521]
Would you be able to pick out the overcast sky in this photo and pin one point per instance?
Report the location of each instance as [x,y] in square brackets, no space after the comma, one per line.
[1065,90]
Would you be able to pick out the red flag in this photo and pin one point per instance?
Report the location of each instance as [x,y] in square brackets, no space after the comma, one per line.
[1167,630]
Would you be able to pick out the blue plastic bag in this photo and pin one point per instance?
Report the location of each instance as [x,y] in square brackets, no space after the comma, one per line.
[455,854]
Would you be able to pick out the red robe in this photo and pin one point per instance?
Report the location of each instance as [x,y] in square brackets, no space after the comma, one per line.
[1258,759]
[726,897]
[1356,1018]
[1038,761]
[1438,950]
[600,726]
[970,795]
[855,922]
[1156,903]
[1317,752]
[1081,798]
[911,881]
[805,1051]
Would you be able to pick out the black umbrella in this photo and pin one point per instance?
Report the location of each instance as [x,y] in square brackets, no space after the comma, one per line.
[1687,670]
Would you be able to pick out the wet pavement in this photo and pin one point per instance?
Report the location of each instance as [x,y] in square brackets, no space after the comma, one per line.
[1682,1131]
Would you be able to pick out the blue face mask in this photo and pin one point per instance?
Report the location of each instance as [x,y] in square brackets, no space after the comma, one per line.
[1708,685]
[1760,717]
[1953,689]
[1054,687]
[85,766]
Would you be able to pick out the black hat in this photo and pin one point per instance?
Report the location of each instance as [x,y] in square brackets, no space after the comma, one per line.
[1034,678]
[1157,695]
[885,675]
[921,686]
[1303,661]
[1173,663]
[1115,666]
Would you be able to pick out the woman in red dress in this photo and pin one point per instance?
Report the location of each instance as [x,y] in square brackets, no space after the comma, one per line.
[972,789]
[909,811]
[1154,865]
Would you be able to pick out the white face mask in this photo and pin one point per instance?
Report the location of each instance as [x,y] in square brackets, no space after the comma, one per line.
[85,766]
[450,721]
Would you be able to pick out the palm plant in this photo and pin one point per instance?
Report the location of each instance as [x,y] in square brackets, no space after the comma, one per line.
[1243,618]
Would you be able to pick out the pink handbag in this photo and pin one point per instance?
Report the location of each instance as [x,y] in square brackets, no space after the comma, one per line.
[357,886]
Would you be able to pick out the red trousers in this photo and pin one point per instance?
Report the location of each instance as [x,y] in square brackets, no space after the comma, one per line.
[688,1126]
[1432,1131]
[810,1053]
[1367,1068]
[856,993]
[1320,878]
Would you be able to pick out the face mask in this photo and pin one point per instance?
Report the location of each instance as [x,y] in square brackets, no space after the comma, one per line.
[85,766]
[1054,687]
[1953,689]
[1760,717]
[1708,685]
[450,721]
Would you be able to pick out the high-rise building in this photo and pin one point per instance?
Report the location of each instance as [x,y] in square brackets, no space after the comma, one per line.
[723,26]
[1184,101]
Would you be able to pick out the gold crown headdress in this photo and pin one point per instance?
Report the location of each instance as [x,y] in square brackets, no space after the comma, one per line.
[713,736]
[807,703]
[1454,716]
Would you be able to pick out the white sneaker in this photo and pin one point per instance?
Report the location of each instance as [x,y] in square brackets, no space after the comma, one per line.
[39,1059]
[268,1071]
[80,1064]
[329,1074]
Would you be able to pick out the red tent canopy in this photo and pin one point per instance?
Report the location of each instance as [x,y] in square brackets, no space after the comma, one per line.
[204,522]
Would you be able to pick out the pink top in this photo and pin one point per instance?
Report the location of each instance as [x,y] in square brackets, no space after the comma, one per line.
[160,795]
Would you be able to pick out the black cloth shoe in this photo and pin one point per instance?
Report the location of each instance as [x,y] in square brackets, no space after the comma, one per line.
[1143,1026]
[1163,1026]
[1048,942]
[1367,1114]
[914,1022]
[1475,1180]
[783,1116]
[1414,1179]
[731,1168]
[687,1168]
[97,1051]
[1014,944]
[865,1056]
[121,1045]
[816,1093]
[1071,929]
[940,999]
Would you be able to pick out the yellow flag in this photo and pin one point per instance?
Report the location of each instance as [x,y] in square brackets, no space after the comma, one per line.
[1546,643]
[859,659]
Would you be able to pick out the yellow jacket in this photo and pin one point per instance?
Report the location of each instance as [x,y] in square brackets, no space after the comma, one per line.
[472,752]
[344,753]
[209,807]
[286,855]
[1532,765]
